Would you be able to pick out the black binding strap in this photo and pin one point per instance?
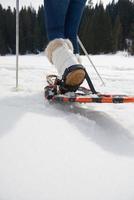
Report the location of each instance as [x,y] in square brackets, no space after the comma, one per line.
[90,84]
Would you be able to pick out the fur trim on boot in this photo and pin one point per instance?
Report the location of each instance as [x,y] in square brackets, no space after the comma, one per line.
[54,44]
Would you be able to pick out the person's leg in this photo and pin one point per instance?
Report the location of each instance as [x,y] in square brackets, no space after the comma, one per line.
[73,18]
[60,50]
[55,14]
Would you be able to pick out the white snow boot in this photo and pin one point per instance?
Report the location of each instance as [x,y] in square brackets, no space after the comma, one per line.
[60,53]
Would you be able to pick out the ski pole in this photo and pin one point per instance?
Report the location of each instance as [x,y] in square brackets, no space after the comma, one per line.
[85,51]
[17,41]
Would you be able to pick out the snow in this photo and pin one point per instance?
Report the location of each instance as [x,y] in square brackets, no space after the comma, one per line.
[60,152]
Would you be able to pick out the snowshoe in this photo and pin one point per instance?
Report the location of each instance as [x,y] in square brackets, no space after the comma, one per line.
[56,91]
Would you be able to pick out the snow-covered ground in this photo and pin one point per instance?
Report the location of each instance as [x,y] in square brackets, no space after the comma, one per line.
[48,153]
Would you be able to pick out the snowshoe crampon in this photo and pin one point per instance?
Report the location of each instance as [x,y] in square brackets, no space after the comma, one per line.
[56,92]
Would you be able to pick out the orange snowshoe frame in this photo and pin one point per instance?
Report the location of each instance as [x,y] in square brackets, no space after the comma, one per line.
[82,95]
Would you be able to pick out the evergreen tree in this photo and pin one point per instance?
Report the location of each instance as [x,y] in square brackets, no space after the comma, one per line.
[10,30]
[125,10]
[85,27]
[101,32]
[27,24]
[23,31]
[117,35]
[40,30]
[3,46]
[37,37]
[3,49]
[112,9]
[132,38]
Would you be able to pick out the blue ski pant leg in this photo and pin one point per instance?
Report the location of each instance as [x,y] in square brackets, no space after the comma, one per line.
[73,19]
[55,15]
[63,19]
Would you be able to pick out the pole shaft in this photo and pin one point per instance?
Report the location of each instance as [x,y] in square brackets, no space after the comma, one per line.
[85,51]
[17,41]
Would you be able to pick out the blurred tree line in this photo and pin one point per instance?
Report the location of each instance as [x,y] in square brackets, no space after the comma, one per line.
[102,30]
[32,32]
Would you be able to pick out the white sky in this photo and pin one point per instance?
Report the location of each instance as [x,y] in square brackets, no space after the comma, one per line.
[36,3]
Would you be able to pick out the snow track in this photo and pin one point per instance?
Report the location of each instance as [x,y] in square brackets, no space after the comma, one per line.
[57,152]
